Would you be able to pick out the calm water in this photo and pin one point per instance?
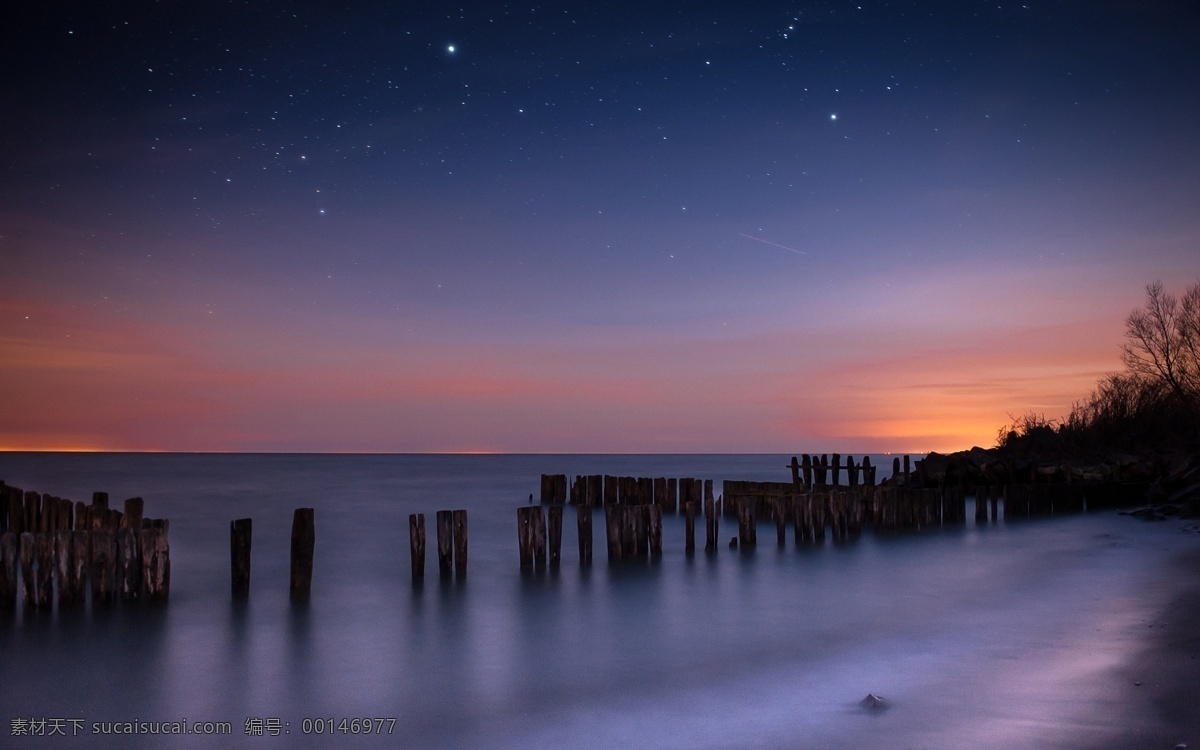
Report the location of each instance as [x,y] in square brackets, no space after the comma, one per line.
[999,636]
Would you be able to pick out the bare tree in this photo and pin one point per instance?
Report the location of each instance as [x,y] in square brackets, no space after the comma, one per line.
[1163,340]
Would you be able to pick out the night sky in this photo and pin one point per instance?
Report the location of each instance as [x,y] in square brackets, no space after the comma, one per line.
[581,227]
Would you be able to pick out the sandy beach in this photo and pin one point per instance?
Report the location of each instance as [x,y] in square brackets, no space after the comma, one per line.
[1159,685]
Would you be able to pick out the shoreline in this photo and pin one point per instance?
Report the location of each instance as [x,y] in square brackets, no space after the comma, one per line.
[1159,685]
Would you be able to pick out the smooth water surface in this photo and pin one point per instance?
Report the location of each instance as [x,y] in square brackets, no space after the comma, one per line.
[997,636]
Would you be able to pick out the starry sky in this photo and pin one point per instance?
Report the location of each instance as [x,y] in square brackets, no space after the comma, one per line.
[581,227]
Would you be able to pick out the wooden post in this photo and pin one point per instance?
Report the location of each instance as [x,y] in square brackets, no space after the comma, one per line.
[629,531]
[689,539]
[525,537]
[747,515]
[583,522]
[612,531]
[304,538]
[806,469]
[77,576]
[539,538]
[103,560]
[416,545]
[654,515]
[445,541]
[531,534]
[673,494]
[907,469]
[710,525]
[156,556]
[795,467]
[129,567]
[555,513]
[240,537]
[64,563]
[780,522]
[460,543]
[9,562]
[837,467]
[851,472]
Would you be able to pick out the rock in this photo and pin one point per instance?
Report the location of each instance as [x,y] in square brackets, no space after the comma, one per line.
[733,542]
[873,701]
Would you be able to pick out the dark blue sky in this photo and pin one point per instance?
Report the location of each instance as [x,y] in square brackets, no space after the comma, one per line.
[653,226]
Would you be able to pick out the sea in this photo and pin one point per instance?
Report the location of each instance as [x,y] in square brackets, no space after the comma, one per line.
[998,635]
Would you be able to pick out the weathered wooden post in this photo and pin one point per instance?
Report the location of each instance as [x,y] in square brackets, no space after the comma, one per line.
[806,469]
[539,538]
[525,537]
[612,531]
[851,472]
[9,562]
[103,561]
[129,567]
[531,533]
[907,469]
[555,513]
[654,514]
[240,538]
[895,470]
[747,515]
[445,542]
[673,499]
[710,525]
[780,522]
[416,545]
[837,467]
[795,467]
[868,472]
[304,539]
[459,518]
[28,553]
[583,523]
[156,556]
[689,539]
[981,498]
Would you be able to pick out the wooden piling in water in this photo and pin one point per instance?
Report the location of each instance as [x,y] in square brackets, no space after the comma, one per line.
[612,531]
[416,545]
[80,562]
[459,518]
[129,567]
[806,469]
[710,525]
[689,517]
[45,570]
[583,524]
[240,539]
[102,567]
[531,536]
[304,538]
[445,542]
[156,557]
[673,499]
[9,563]
[778,509]
[654,514]
[747,514]
[555,513]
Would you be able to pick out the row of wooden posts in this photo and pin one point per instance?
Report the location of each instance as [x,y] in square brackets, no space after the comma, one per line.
[634,528]
[808,471]
[53,550]
[451,542]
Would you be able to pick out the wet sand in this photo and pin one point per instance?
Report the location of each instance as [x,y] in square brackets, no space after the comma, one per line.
[1161,682]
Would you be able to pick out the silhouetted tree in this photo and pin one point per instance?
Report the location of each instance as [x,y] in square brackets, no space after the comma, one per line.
[1163,340]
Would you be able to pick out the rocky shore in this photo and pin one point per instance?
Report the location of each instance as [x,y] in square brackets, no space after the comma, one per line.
[1166,483]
